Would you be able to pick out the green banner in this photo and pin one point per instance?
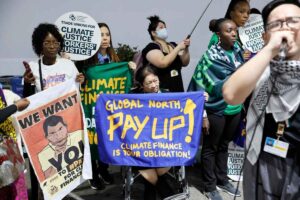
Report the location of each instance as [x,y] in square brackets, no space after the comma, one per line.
[112,78]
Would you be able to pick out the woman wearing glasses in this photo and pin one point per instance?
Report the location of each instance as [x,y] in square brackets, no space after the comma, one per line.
[274,112]
[49,70]
[148,82]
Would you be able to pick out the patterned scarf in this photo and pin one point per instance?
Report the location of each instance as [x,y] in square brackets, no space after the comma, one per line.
[279,94]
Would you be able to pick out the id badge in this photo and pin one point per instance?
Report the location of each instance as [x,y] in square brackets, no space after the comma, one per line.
[276,147]
[174,72]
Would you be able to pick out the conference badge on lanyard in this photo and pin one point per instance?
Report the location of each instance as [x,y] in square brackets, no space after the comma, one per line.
[275,146]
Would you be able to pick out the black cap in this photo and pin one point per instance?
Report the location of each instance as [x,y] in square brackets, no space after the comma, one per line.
[273,4]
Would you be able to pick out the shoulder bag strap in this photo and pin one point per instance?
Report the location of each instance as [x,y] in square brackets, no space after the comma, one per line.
[41,75]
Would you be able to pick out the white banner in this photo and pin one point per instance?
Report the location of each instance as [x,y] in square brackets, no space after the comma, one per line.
[55,137]
[251,33]
[235,161]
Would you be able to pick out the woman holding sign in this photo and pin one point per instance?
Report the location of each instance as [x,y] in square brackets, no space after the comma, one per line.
[105,56]
[49,70]
[214,68]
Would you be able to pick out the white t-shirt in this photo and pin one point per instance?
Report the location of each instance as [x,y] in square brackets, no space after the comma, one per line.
[62,70]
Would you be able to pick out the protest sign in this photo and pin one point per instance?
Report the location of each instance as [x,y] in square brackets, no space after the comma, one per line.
[151,130]
[235,161]
[111,78]
[53,131]
[251,33]
[81,33]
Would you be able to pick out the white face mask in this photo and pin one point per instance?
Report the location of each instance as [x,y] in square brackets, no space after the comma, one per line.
[162,34]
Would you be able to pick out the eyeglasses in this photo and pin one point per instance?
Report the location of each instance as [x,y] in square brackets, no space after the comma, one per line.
[150,82]
[49,44]
[291,22]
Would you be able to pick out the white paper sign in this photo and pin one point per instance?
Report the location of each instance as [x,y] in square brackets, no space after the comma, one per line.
[235,161]
[55,136]
[81,34]
[251,33]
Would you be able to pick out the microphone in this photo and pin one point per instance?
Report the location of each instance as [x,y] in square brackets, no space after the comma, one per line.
[283,50]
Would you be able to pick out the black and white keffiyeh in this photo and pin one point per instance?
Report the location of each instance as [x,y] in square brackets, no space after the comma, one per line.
[279,94]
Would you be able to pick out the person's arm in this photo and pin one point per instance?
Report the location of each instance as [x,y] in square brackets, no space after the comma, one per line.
[158,59]
[6,112]
[29,79]
[239,86]
[79,77]
[28,89]
[185,57]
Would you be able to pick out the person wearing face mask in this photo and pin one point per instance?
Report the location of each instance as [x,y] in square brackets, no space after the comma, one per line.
[165,56]
[213,69]
[272,160]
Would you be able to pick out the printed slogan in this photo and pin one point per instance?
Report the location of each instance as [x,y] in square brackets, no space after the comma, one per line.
[111,78]
[149,130]
[53,131]
[251,33]
[81,35]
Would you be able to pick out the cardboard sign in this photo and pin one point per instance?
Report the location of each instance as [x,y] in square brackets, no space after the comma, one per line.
[251,33]
[81,34]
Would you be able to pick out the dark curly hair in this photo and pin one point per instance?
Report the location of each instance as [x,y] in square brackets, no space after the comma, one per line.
[154,20]
[40,33]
